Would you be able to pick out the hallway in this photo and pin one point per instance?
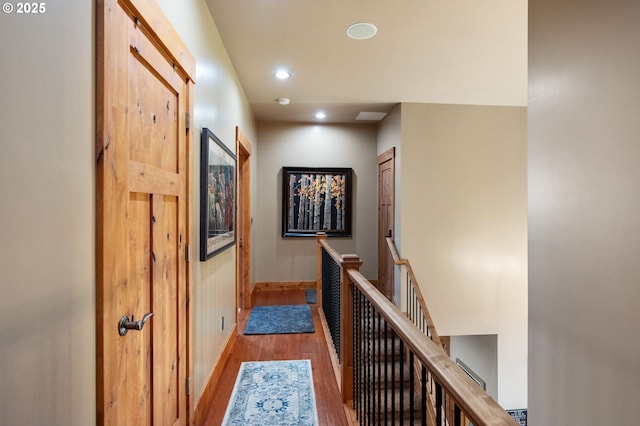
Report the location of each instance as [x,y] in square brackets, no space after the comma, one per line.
[311,346]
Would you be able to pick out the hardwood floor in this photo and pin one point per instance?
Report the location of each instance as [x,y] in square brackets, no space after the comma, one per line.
[311,346]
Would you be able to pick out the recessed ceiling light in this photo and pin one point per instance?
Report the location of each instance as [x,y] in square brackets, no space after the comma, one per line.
[362,30]
[282,74]
[320,115]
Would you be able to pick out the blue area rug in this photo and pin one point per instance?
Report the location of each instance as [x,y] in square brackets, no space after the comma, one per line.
[273,393]
[311,296]
[283,319]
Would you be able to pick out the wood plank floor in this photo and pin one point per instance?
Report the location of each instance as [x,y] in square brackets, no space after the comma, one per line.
[311,346]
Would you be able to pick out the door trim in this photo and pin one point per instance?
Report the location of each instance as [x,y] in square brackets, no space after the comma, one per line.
[243,248]
[386,156]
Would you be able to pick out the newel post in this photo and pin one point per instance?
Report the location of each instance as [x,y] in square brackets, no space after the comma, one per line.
[349,262]
[320,237]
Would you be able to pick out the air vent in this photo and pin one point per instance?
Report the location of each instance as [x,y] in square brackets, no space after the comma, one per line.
[371,116]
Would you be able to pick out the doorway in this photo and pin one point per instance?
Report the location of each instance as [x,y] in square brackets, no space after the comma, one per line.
[386,221]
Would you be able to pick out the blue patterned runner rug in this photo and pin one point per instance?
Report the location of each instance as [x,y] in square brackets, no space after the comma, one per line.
[273,393]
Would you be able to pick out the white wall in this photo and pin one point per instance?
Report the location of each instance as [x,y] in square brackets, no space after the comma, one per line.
[480,354]
[584,225]
[47,255]
[310,145]
[220,105]
[464,226]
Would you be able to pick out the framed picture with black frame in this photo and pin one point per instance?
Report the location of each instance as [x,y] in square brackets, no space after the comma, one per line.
[217,196]
[316,199]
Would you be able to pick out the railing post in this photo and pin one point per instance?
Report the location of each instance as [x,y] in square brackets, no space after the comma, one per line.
[349,262]
[320,237]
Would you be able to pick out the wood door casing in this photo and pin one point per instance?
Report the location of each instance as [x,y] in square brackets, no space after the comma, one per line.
[386,219]
[243,276]
[143,215]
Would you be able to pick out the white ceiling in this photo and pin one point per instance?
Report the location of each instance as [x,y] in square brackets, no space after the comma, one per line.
[434,51]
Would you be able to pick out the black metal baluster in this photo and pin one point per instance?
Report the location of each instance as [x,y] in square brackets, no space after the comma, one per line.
[415,308]
[393,377]
[456,415]
[411,305]
[409,286]
[373,365]
[411,388]
[424,398]
[401,407]
[438,404]
[365,360]
[386,372]
[357,334]
[379,364]
[368,364]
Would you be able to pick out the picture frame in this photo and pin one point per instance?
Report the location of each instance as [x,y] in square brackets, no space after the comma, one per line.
[306,209]
[217,196]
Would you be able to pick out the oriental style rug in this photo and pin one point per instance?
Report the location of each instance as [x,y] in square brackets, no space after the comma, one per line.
[280,319]
[273,393]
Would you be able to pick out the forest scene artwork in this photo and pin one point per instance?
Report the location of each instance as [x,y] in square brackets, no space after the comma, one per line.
[316,200]
[217,196]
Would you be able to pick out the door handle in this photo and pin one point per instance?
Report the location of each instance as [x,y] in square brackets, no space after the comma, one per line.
[125,324]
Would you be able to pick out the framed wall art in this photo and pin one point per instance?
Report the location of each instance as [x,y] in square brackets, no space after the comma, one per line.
[316,200]
[217,196]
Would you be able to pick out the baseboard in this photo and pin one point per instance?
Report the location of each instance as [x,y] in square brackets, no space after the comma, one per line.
[285,285]
[208,393]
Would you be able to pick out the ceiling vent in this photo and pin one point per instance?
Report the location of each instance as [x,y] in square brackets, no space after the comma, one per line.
[371,116]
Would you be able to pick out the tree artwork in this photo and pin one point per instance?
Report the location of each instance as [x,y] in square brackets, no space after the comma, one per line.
[316,200]
[217,195]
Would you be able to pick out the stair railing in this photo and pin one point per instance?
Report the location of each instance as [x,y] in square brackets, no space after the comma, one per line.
[387,363]
[412,300]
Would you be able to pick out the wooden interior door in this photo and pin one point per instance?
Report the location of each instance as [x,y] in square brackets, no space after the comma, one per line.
[143,216]
[386,219]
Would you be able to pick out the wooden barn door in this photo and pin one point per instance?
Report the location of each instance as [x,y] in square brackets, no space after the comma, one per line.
[143,216]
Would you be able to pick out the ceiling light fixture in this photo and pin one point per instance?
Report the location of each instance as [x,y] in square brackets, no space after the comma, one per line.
[320,115]
[282,74]
[362,30]
[283,101]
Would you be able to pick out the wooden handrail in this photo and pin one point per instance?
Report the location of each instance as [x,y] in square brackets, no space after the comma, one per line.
[394,252]
[330,250]
[414,282]
[477,405]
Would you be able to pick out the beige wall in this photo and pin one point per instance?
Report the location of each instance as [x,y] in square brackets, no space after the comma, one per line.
[220,105]
[464,225]
[309,145]
[47,308]
[584,225]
